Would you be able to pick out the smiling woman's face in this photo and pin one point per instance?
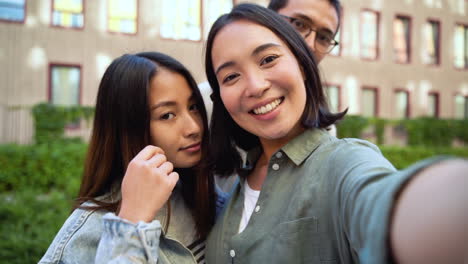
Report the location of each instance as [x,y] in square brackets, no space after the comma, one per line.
[176,125]
[261,83]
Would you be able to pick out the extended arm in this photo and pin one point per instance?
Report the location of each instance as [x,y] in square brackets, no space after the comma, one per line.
[430,217]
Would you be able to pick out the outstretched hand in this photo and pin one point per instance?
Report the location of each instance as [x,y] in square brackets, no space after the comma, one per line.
[147,185]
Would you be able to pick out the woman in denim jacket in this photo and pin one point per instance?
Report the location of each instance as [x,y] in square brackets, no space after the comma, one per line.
[146,195]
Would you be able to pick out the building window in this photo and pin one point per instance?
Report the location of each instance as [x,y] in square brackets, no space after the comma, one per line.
[67,13]
[12,10]
[369,102]
[402,104]
[431,42]
[461,47]
[333,96]
[402,39]
[181,23]
[461,106]
[214,9]
[433,105]
[369,34]
[122,16]
[64,85]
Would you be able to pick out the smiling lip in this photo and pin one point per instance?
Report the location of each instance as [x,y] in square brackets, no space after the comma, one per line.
[266,107]
[192,148]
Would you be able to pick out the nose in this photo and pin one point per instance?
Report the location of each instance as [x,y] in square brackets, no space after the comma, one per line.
[192,125]
[257,84]
[310,40]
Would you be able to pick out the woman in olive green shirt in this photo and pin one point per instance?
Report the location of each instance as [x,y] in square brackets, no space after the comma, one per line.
[305,196]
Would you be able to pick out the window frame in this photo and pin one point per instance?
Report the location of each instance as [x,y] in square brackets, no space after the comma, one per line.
[202,25]
[439,43]
[465,25]
[437,106]
[68,65]
[454,105]
[408,108]
[17,21]
[137,19]
[376,98]
[410,38]
[338,86]
[64,27]
[377,44]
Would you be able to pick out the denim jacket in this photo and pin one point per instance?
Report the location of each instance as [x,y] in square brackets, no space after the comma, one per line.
[97,236]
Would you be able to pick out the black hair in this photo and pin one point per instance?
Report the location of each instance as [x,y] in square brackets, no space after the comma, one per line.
[226,133]
[121,129]
[276,5]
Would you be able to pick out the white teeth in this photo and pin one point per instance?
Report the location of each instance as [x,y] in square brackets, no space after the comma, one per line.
[267,108]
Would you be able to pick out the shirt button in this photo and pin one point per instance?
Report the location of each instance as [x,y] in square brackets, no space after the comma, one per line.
[279,155]
[232,253]
[275,166]
[257,208]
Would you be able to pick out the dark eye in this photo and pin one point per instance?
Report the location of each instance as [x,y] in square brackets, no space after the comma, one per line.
[324,38]
[167,116]
[193,107]
[230,77]
[299,25]
[268,59]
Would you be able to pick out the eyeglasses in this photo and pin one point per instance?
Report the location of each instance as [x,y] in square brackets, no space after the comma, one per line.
[323,43]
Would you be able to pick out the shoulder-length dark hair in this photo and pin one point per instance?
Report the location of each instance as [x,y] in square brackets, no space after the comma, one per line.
[226,134]
[121,129]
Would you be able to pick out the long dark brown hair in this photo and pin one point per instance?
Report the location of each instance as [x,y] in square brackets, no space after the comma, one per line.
[121,129]
[228,135]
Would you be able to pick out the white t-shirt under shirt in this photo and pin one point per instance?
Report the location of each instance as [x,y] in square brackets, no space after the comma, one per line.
[250,200]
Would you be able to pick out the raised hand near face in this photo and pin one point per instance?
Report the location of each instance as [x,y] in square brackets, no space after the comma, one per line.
[147,185]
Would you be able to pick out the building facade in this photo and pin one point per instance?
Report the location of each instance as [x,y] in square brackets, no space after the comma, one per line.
[396,59]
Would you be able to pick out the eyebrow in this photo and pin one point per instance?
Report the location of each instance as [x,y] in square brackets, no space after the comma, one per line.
[256,51]
[161,104]
[310,21]
[171,103]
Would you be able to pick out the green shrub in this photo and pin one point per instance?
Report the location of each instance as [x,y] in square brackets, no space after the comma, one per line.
[50,120]
[37,186]
[379,126]
[351,126]
[430,131]
[402,157]
[43,166]
[29,221]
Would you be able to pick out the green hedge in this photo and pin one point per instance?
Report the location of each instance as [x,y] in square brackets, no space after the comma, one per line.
[423,131]
[402,157]
[42,166]
[50,120]
[37,186]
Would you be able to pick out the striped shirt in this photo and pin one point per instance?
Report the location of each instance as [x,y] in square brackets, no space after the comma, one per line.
[198,250]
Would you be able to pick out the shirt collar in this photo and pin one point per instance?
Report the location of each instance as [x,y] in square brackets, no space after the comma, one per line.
[298,149]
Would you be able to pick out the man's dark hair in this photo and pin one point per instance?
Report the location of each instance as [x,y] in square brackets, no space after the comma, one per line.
[276,5]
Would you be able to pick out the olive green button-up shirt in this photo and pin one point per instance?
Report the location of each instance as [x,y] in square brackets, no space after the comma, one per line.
[324,200]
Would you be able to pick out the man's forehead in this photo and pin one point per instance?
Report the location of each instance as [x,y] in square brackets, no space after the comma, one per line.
[321,13]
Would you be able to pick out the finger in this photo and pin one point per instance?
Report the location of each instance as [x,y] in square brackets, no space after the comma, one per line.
[166,167]
[148,152]
[157,160]
[173,177]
